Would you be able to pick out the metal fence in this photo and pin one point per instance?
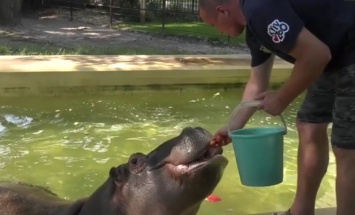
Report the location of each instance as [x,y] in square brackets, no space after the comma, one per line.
[166,15]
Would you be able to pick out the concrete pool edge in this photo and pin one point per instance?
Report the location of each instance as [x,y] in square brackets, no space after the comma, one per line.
[69,74]
[319,211]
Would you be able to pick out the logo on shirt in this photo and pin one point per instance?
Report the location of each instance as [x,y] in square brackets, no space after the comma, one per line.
[277,30]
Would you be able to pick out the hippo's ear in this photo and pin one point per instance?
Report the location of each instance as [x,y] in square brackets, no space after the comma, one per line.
[117,174]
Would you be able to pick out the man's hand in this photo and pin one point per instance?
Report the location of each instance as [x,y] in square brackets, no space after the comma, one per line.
[221,138]
[271,102]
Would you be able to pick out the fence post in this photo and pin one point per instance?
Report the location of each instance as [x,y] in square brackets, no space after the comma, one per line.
[143,5]
[111,14]
[163,19]
[193,6]
[71,10]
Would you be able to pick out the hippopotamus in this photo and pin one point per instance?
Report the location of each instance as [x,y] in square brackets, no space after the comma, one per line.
[172,179]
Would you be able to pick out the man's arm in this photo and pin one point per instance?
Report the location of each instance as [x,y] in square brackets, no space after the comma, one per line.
[258,82]
[284,30]
[312,56]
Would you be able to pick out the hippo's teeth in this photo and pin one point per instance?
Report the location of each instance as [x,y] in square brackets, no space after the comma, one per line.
[186,168]
[182,167]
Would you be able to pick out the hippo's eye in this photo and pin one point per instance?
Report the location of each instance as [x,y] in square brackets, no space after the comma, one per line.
[134,161]
[137,162]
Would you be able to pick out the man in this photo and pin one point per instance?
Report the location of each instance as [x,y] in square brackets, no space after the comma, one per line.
[318,37]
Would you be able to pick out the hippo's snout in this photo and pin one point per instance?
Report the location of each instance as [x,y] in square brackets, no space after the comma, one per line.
[197,132]
[210,152]
[188,152]
[193,145]
[204,131]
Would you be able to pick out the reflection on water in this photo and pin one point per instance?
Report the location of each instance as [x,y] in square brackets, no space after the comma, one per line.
[69,144]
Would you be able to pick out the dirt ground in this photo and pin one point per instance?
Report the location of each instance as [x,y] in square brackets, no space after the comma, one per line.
[53,28]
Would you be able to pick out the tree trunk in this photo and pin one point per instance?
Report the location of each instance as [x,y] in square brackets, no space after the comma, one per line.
[10,12]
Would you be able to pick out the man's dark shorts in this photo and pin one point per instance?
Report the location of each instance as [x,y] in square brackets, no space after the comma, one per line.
[332,99]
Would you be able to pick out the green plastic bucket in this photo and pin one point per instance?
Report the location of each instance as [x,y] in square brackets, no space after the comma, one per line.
[259,152]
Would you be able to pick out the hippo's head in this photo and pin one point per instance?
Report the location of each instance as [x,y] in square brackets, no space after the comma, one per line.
[173,179]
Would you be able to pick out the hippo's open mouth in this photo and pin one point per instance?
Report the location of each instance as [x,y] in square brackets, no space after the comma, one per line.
[207,156]
[188,153]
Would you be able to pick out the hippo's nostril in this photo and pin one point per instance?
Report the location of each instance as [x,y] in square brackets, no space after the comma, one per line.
[207,155]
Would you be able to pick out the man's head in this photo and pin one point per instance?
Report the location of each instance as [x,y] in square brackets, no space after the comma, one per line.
[225,15]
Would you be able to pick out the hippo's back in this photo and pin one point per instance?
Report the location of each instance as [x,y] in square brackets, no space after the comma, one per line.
[26,199]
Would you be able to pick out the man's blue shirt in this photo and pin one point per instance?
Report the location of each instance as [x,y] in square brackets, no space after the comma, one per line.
[275,25]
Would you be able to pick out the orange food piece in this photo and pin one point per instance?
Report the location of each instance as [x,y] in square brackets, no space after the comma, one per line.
[213,198]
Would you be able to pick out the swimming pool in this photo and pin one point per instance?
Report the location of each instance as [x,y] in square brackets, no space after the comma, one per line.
[69,143]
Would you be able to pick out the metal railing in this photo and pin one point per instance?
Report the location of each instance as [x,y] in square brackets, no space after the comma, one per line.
[171,15]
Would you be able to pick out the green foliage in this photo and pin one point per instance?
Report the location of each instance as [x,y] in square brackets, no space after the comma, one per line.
[191,30]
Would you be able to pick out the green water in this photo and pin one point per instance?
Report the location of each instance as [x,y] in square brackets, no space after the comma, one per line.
[69,143]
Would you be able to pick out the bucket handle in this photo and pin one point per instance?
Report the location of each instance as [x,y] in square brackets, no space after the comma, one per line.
[253,103]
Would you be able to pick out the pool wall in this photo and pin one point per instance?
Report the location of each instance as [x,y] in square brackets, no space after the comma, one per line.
[72,75]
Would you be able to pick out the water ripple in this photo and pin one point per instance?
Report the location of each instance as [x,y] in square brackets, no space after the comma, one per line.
[20,121]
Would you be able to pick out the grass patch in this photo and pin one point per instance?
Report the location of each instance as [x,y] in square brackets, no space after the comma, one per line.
[194,30]
[34,49]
